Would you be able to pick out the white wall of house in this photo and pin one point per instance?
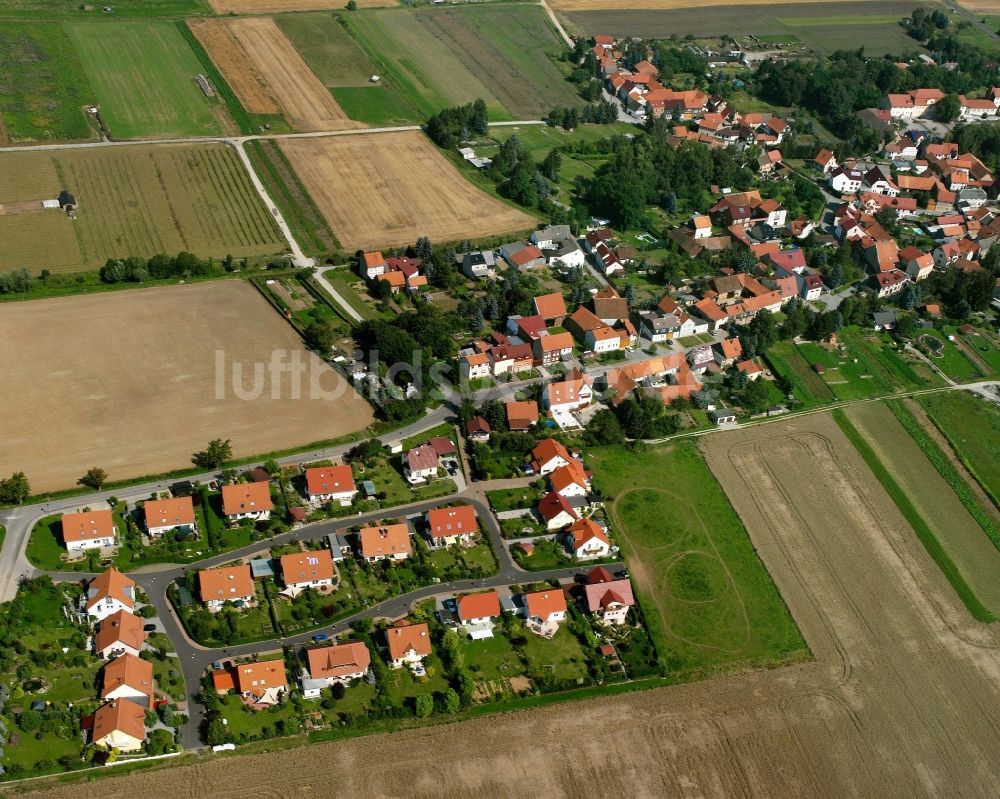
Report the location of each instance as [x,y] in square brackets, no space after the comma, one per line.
[106,607]
[90,543]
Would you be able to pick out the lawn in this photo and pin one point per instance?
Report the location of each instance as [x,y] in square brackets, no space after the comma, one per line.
[251,723]
[168,674]
[401,685]
[545,554]
[983,345]
[352,288]
[493,658]
[43,89]
[706,597]
[514,498]
[563,655]
[143,73]
[47,552]
[808,387]
[948,357]
[972,427]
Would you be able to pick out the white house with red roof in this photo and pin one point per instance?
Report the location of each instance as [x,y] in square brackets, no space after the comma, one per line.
[330,484]
[607,598]
[88,530]
[586,540]
[449,526]
[420,464]
[544,610]
[556,511]
[548,455]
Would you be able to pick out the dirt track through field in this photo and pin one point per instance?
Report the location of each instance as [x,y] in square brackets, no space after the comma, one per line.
[305,101]
[900,701]
[390,189]
[233,62]
[129,381]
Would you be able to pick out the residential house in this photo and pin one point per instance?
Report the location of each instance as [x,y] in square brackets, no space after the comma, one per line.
[548,455]
[544,609]
[408,644]
[916,263]
[609,306]
[728,351]
[453,525]
[334,663]
[475,366]
[553,348]
[607,598]
[885,284]
[108,593]
[119,725]
[587,541]
[479,265]
[548,237]
[844,180]
[521,416]
[972,108]
[556,511]
[387,542]
[477,611]
[371,265]
[120,633]
[421,464]
[310,569]
[247,501]
[331,484]
[711,313]
[129,677]
[522,256]
[569,395]
[825,161]
[810,286]
[478,430]
[947,254]
[885,320]
[88,530]
[164,515]
[262,682]
[751,369]
[701,226]
[570,480]
[551,307]
[701,358]
[226,584]
[606,259]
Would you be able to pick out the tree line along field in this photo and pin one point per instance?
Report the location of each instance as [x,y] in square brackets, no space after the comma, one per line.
[389,189]
[136,200]
[143,73]
[824,25]
[43,89]
[128,380]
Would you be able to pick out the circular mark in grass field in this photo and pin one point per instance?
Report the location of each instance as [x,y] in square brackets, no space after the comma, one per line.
[651,518]
[697,577]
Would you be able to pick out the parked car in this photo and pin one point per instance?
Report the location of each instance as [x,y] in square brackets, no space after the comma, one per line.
[321,637]
[149,628]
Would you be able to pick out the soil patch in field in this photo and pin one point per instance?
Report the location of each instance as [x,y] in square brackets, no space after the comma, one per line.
[900,701]
[129,382]
[390,189]
[957,531]
[306,103]
[233,62]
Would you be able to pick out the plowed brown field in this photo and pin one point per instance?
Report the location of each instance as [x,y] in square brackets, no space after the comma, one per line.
[233,62]
[129,381]
[900,701]
[274,69]
[390,189]
[277,6]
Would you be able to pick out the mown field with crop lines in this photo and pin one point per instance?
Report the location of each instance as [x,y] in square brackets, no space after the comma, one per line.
[140,200]
[143,73]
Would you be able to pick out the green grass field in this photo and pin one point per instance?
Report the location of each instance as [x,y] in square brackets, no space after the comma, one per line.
[707,598]
[43,89]
[144,75]
[949,358]
[972,427]
[73,9]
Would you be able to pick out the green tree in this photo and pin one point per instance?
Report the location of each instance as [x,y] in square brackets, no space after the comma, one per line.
[15,489]
[424,705]
[94,478]
[551,164]
[948,107]
[604,428]
[754,396]
[214,455]
[451,701]
[320,336]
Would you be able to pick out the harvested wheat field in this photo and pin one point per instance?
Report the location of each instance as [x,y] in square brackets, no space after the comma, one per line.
[278,6]
[900,701]
[981,6]
[274,69]
[127,381]
[233,62]
[665,5]
[390,189]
